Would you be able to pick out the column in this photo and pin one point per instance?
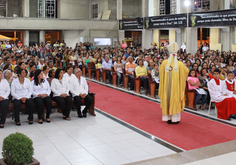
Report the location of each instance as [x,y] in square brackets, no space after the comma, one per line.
[172,36]
[191,34]
[26,38]
[26,8]
[121,33]
[153,10]
[146,33]
[42,36]
[227,4]
[180,35]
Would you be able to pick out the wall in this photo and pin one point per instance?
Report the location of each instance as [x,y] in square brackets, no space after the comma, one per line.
[15,7]
[132,8]
[217,5]
[73,9]
[71,37]
[34,36]
[33,8]
[103,34]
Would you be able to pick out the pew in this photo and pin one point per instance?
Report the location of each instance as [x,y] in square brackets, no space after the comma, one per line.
[76,64]
[114,79]
[190,97]
[125,80]
[97,72]
[54,105]
[152,86]
[84,70]
[104,76]
[91,68]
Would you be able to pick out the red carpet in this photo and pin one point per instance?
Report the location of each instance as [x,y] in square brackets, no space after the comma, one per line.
[191,133]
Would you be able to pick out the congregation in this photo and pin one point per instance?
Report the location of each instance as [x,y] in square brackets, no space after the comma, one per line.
[33,74]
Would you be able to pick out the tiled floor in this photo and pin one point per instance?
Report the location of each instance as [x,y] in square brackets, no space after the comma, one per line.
[91,140]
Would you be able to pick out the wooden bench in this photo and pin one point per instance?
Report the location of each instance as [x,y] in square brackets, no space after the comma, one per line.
[152,86]
[91,68]
[190,97]
[54,105]
[97,72]
[84,70]
[125,80]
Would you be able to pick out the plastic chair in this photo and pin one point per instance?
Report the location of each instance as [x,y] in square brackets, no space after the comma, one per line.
[210,107]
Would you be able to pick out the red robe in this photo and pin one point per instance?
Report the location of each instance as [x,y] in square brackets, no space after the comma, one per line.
[225,104]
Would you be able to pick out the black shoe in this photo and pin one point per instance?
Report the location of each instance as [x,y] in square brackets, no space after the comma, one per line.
[80,115]
[40,122]
[233,116]
[229,119]
[84,113]
[48,120]
[18,124]
[30,122]
[169,122]
[1,126]
[175,122]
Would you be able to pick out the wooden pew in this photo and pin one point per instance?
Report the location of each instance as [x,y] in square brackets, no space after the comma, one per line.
[137,84]
[76,64]
[91,68]
[125,80]
[97,72]
[104,76]
[152,87]
[84,70]
[190,97]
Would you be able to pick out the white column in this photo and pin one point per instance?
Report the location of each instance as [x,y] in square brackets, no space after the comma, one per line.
[26,8]
[227,4]
[42,36]
[86,35]
[146,34]
[26,38]
[121,33]
[191,34]
[180,33]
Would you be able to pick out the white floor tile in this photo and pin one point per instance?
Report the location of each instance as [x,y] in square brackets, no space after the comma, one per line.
[134,153]
[50,157]
[78,153]
[111,157]
[130,135]
[121,145]
[99,149]
[87,160]
[90,142]
[110,138]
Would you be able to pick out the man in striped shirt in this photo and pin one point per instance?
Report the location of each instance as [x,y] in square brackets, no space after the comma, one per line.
[130,68]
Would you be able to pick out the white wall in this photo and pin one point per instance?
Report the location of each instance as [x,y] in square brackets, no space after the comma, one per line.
[73,9]
[71,37]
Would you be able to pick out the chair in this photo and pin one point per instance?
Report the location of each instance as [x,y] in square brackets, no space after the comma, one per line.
[91,68]
[152,87]
[209,109]
[190,97]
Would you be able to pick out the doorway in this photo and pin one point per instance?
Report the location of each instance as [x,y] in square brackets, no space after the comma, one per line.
[203,36]
[164,37]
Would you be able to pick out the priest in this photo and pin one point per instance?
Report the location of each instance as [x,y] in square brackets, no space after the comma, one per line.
[173,75]
[224,102]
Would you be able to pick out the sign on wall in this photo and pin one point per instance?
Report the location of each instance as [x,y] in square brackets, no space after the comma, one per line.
[131,24]
[213,18]
[166,21]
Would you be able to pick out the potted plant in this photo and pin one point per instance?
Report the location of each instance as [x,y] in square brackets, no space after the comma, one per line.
[18,149]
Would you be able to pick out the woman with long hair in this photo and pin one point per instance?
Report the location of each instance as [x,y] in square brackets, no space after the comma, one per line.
[41,95]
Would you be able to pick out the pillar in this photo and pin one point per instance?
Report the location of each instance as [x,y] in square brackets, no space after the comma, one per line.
[172,36]
[26,8]
[191,34]
[146,33]
[156,37]
[26,38]
[42,36]
[153,10]
[121,33]
[86,35]
[227,4]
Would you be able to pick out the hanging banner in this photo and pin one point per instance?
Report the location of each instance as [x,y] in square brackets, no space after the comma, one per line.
[213,18]
[166,21]
[129,24]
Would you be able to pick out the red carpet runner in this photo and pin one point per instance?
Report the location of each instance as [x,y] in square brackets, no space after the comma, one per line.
[191,133]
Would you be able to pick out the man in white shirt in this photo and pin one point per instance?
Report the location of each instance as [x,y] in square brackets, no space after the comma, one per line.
[41,64]
[79,91]
[205,48]
[145,63]
[183,47]
[106,65]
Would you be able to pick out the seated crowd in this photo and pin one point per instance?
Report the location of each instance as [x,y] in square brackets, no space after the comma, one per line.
[19,62]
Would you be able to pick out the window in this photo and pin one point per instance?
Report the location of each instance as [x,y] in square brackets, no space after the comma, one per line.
[47,8]
[201,5]
[102,41]
[95,11]
[162,7]
[3,8]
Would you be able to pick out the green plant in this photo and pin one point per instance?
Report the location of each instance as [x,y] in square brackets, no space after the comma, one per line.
[17,149]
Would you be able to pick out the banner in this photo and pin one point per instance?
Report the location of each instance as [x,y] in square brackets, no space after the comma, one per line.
[166,21]
[129,24]
[213,18]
